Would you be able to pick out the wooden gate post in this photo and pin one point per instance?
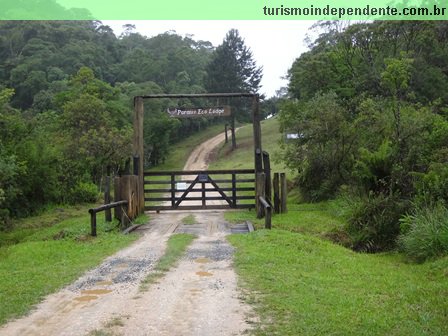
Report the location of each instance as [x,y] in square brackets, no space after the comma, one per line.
[260,191]
[276,184]
[138,150]
[284,193]
[258,151]
[267,171]
[257,134]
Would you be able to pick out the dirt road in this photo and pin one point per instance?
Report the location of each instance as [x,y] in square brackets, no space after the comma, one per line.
[199,297]
[200,157]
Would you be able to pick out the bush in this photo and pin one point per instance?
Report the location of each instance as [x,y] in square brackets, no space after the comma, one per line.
[83,192]
[432,187]
[374,222]
[425,233]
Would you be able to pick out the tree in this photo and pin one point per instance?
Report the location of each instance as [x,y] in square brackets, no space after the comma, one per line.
[233,69]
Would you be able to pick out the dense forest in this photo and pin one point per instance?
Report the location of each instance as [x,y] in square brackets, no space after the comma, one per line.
[66,103]
[369,103]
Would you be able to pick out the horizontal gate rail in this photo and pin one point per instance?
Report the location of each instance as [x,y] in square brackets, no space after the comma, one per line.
[196,172]
[191,181]
[194,198]
[198,207]
[226,186]
[198,190]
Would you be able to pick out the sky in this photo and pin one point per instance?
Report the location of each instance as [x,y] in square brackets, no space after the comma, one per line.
[274,44]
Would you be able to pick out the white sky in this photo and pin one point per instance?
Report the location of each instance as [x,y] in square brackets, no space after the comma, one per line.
[275,44]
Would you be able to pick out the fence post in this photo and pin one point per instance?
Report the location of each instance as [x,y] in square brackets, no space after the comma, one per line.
[234,190]
[92,223]
[267,171]
[107,213]
[284,193]
[268,220]
[276,193]
[260,192]
[173,192]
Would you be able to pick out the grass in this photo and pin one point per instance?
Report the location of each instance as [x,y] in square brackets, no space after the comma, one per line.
[313,287]
[64,250]
[189,220]
[243,157]
[24,227]
[177,244]
[315,219]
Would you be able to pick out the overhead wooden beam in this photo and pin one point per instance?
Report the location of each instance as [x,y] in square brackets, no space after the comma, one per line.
[198,95]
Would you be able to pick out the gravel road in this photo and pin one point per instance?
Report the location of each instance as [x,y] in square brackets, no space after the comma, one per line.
[198,297]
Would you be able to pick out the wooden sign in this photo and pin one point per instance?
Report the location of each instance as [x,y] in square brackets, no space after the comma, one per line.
[195,112]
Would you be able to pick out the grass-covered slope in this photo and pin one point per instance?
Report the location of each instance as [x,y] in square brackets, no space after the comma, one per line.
[243,156]
[302,283]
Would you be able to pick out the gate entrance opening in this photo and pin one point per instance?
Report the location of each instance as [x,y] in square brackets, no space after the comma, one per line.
[188,190]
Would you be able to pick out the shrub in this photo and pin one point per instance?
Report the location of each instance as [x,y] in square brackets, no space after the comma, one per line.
[425,233]
[432,187]
[83,192]
[374,222]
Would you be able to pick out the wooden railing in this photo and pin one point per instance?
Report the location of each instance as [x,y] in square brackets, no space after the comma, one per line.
[268,213]
[94,211]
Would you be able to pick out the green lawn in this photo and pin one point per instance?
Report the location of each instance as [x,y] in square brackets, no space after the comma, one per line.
[39,261]
[303,283]
[243,157]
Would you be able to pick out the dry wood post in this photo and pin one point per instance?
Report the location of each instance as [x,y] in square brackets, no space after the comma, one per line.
[104,207]
[276,184]
[126,189]
[107,213]
[284,193]
[260,192]
[267,171]
[257,134]
[268,218]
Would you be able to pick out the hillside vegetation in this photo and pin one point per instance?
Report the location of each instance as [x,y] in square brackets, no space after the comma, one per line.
[73,82]
[303,282]
[369,102]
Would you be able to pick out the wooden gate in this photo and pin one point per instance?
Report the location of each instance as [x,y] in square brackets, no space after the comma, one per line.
[195,189]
